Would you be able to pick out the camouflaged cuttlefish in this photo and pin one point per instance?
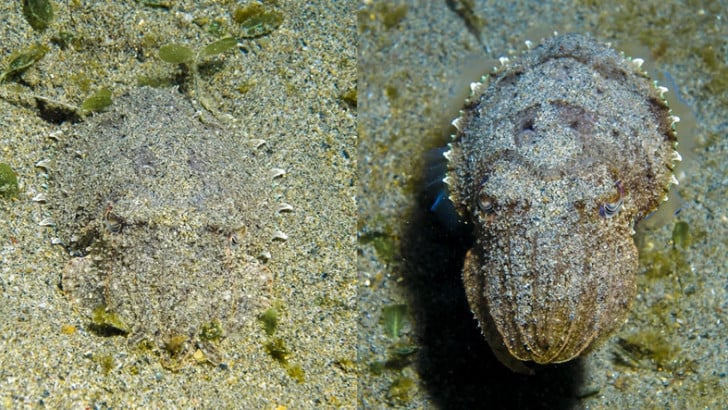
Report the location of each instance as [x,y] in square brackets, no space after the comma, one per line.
[557,155]
[167,221]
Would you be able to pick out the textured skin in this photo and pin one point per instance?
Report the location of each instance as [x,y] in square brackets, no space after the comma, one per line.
[164,217]
[540,147]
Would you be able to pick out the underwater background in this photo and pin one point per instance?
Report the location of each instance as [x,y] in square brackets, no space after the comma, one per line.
[277,75]
[418,339]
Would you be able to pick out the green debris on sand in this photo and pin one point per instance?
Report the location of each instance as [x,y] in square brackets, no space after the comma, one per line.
[296,372]
[181,54]
[400,391]
[255,20]
[218,47]
[269,320]
[105,361]
[648,349]
[175,345]
[8,182]
[186,56]
[384,244]
[278,350]
[38,13]
[276,347]
[393,319]
[681,235]
[108,323]
[400,354]
[392,14]
[22,59]
[96,101]
[176,54]
[211,331]
[158,4]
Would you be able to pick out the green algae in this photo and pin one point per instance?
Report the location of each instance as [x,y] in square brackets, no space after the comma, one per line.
[392,92]
[157,4]
[246,86]
[661,263]
[296,372]
[278,350]
[654,345]
[218,47]
[176,54]
[21,60]
[38,13]
[383,243]
[82,81]
[145,345]
[393,319]
[681,235]
[175,345]
[8,182]
[399,356]
[211,331]
[255,20]
[104,361]
[269,320]
[181,54]
[185,56]
[243,14]
[376,367]
[108,323]
[96,101]
[217,27]
[400,391]
[176,352]
[391,14]
[400,352]
[648,349]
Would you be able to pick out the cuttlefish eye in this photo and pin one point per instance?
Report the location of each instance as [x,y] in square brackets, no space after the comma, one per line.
[113,222]
[486,203]
[609,209]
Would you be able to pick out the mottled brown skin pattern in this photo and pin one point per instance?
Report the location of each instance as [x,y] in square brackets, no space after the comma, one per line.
[542,145]
[163,216]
